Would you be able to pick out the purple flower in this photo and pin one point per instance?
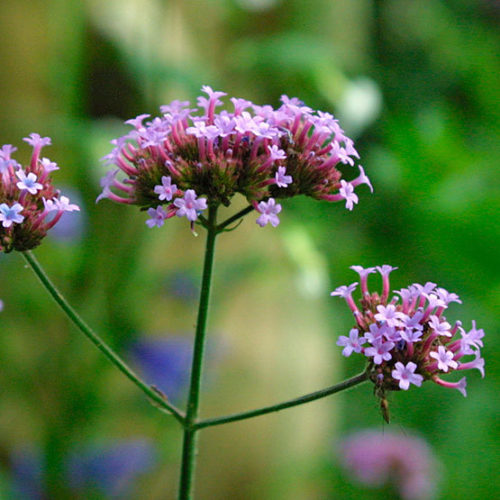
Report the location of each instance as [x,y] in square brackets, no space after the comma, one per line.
[36,141]
[201,129]
[408,343]
[137,121]
[275,153]
[471,339]
[48,166]
[376,332]
[347,192]
[380,351]
[477,363]
[376,458]
[11,215]
[447,297]
[389,315]
[406,375]
[255,151]
[344,291]
[269,213]
[363,274]
[166,190]
[351,343]
[461,385]
[444,359]
[281,179]
[24,191]
[157,217]
[28,182]
[190,205]
[440,327]
[362,179]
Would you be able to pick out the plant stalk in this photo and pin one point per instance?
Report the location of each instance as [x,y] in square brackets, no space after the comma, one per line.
[313,396]
[190,431]
[155,396]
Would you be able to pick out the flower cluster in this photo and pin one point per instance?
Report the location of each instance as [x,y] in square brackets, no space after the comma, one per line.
[407,339]
[27,197]
[404,462]
[260,152]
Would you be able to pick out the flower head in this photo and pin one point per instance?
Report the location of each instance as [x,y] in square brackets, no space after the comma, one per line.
[406,339]
[27,196]
[260,152]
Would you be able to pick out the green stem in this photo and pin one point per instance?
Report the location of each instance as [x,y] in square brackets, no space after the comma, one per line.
[234,218]
[98,342]
[346,384]
[189,444]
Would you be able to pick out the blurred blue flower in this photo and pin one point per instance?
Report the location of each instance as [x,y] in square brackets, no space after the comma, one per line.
[110,469]
[164,362]
[182,286]
[27,466]
[71,226]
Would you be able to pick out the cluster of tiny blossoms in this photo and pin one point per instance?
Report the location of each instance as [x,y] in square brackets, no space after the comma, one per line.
[27,197]
[178,163]
[407,339]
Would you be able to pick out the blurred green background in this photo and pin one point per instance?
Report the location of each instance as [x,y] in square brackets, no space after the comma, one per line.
[414,83]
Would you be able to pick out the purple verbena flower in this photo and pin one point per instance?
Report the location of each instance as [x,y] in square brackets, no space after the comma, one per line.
[377,458]
[406,375]
[409,340]
[157,217]
[347,192]
[269,211]
[380,351]
[389,315]
[444,359]
[351,344]
[28,182]
[11,215]
[190,205]
[282,180]
[166,190]
[24,192]
[256,151]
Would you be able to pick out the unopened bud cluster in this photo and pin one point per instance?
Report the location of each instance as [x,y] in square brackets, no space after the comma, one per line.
[177,163]
[29,203]
[406,338]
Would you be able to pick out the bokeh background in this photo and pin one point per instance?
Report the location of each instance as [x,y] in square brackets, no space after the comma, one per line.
[415,83]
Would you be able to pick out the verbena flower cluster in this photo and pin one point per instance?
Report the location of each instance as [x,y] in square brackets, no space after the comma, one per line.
[407,339]
[405,462]
[27,197]
[177,163]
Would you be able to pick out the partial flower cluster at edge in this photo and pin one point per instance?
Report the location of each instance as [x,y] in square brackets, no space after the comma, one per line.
[406,338]
[29,203]
[188,158]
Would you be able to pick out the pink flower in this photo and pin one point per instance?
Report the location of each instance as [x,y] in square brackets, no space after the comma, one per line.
[377,458]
